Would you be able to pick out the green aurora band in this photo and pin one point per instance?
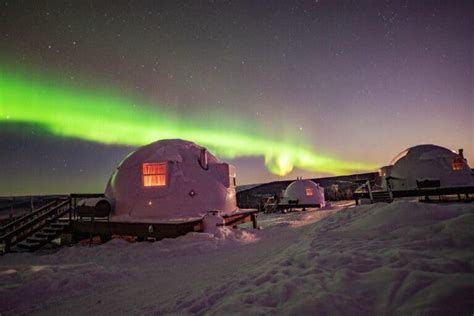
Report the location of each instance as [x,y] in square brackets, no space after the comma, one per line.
[109,118]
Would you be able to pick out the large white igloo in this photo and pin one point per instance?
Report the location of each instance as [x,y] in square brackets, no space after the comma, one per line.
[421,165]
[171,180]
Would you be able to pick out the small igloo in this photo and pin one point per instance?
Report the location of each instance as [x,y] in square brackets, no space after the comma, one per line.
[304,192]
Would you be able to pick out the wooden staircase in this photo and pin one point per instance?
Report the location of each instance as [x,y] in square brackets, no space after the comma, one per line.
[381,196]
[374,195]
[36,229]
[42,237]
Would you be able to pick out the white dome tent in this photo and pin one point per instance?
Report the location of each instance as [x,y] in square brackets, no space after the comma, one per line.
[426,166]
[171,180]
[304,193]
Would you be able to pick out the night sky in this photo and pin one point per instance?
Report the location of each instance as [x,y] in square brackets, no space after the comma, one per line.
[357,81]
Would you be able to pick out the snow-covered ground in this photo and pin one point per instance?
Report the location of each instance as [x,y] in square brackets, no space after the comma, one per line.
[404,258]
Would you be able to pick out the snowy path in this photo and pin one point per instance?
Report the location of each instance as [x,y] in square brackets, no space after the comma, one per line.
[403,257]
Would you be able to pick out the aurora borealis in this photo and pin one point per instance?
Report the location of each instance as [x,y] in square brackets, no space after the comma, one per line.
[280,89]
[110,119]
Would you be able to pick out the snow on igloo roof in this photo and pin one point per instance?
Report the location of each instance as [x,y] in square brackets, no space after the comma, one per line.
[176,150]
[423,152]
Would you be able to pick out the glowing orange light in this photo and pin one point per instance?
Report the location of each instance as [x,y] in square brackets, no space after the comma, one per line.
[309,192]
[154,174]
[458,163]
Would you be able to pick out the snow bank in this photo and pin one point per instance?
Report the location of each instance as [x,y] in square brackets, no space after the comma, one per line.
[21,285]
[28,279]
[404,257]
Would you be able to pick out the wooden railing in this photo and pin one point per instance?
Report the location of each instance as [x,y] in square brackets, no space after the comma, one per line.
[10,226]
[31,223]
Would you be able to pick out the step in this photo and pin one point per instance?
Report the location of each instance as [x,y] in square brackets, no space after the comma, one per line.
[28,245]
[18,249]
[61,225]
[50,220]
[50,229]
[37,239]
[380,194]
[46,234]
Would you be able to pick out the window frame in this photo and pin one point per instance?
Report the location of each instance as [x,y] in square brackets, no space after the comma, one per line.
[144,175]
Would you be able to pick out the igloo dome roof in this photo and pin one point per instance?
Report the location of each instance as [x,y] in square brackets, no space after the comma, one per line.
[299,186]
[166,150]
[423,152]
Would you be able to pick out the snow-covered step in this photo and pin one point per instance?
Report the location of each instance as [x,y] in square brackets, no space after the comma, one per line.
[50,220]
[18,249]
[381,196]
[60,225]
[46,234]
[28,245]
[37,239]
[51,229]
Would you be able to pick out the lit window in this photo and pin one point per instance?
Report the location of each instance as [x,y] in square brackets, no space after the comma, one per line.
[458,163]
[154,174]
[309,191]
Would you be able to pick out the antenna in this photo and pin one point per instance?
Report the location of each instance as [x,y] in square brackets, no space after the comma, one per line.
[203,159]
